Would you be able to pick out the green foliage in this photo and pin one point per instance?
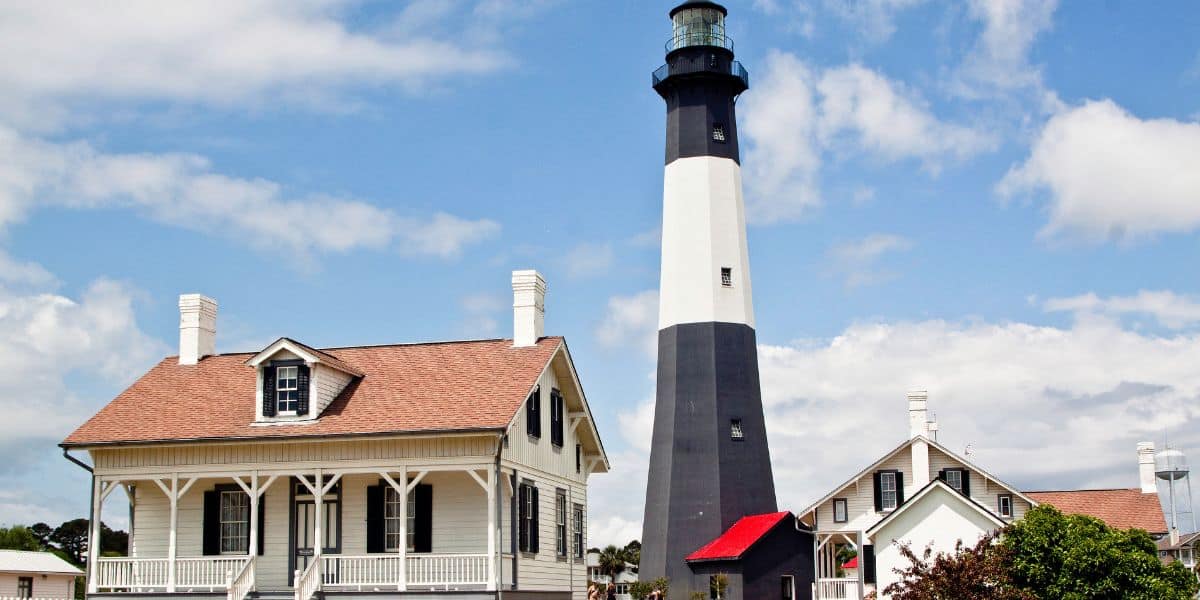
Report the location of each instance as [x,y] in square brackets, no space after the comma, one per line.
[18,537]
[633,552]
[1073,557]
[643,589]
[717,584]
[697,596]
[612,561]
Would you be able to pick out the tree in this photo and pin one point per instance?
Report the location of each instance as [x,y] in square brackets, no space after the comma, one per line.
[18,537]
[1073,557]
[976,573]
[633,552]
[42,532]
[612,561]
[717,584]
[71,537]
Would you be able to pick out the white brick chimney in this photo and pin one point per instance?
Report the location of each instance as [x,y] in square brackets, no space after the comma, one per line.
[529,307]
[918,429]
[1145,454]
[197,328]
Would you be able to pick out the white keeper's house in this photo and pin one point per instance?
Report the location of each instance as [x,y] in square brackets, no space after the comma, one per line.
[920,493]
[431,470]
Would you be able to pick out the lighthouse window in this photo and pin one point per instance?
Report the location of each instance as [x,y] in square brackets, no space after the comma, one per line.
[718,132]
[735,430]
[727,276]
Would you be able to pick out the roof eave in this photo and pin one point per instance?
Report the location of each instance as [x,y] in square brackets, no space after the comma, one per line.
[66,445]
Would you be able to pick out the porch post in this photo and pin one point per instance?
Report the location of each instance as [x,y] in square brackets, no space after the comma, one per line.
[171,536]
[319,507]
[253,549]
[861,570]
[94,538]
[491,512]
[402,546]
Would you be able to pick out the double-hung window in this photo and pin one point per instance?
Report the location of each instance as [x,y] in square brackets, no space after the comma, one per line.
[954,479]
[24,587]
[560,523]
[839,510]
[578,531]
[887,487]
[393,520]
[1004,505]
[287,389]
[235,522]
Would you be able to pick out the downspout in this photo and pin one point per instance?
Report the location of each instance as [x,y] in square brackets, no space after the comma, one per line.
[499,568]
[91,510]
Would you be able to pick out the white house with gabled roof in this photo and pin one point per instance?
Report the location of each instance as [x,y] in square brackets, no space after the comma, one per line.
[27,574]
[451,469]
[901,498]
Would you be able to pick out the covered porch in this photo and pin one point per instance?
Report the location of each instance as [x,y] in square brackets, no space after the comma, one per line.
[833,583]
[382,528]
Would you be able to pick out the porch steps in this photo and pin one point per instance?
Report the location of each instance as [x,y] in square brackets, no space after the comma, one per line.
[273,595]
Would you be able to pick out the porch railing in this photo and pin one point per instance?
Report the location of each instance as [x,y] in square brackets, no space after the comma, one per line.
[210,572]
[840,588]
[309,581]
[241,584]
[447,569]
[132,573]
[423,570]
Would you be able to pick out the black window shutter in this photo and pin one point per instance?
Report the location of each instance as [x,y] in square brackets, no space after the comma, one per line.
[878,492]
[899,488]
[302,393]
[556,418]
[942,475]
[262,528]
[533,414]
[212,523]
[868,563]
[966,483]
[375,526]
[268,391]
[522,514]
[533,521]
[423,528]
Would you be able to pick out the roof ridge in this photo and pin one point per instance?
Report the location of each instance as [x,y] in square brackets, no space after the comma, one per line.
[1123,489]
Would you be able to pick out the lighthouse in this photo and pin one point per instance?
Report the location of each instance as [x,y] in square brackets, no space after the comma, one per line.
[710,466]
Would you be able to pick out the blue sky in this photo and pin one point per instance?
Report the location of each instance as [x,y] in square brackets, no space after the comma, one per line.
[996,200]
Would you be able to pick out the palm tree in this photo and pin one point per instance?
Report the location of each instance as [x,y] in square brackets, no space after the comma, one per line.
[612,561]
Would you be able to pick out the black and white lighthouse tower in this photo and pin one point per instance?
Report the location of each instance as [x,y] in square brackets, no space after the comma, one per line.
[709,461]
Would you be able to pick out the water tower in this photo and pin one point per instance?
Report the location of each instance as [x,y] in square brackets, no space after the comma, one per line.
[1171,465]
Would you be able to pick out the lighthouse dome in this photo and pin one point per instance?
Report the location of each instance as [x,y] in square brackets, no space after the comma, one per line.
[698,23]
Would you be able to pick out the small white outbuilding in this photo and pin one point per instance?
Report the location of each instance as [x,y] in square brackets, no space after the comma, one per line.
[25,574]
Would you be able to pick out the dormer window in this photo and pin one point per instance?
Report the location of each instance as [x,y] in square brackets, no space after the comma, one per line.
[287,389]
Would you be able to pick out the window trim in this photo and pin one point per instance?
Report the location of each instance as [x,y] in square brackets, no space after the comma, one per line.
[243,540]
[527,517]
[895,492]
[410,520]
[21,582]
[845,510]
[579,522]
[1000,505]
[959,473]
[561,535]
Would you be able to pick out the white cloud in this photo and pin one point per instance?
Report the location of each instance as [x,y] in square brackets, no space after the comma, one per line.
[1042,407]
[875,19]
[1109,174]
[631,322]
[857,261]
[882,117]
[796,114]
[16,272]
[184,191]
[44,338]
[999,62]
[481,310]
[218,53]
[1168,308]
[587,259]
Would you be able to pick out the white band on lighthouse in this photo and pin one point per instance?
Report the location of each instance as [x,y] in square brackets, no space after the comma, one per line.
[704,233]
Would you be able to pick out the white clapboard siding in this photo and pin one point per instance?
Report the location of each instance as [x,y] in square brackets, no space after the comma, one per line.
[272,454]
[545,570]
[538,453]
[327,382]
[983,491]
